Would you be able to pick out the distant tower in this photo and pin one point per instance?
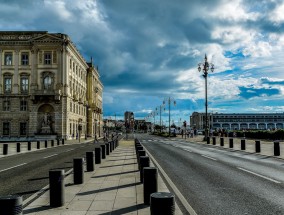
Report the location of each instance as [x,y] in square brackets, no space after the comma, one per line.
[129,120]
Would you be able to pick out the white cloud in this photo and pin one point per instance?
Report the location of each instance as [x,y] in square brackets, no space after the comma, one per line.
[59,8]
[277,15]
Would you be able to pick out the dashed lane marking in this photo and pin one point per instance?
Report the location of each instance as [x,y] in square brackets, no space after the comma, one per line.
[50,156]
[209,157]
[12,167]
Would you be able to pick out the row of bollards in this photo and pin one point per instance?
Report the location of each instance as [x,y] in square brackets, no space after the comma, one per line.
[160,202]
[29,145]
[276,144]
[56,177]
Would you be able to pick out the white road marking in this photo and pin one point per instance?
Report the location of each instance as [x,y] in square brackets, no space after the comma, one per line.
[209,157]
[12,167]
[262,176]
[69,150]
[50,156]
[187,150]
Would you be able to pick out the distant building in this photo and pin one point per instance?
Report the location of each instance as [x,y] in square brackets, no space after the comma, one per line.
[47,88]
[238,121]
[129,120]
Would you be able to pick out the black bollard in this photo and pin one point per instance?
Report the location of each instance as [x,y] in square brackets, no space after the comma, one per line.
[45,143]
[18,147]
[257,146]
[162,203]
[139,148]
[5,149]
[38,144]
[62,141]
[231,143]
[150,181]
[90,161]
[11,205]
[276,148]
[56,188]
[208,140]
[243,144]
[116,143]
[103,151]
[78,170]
[144,162]
[221,141]
[112,144]
[29,146]
[107,148]
[139,154]
[98,155]
[52,143]
[110,147]
[214,140]
[58,141]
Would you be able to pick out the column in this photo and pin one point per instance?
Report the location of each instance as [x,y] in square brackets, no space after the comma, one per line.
[1,82]
[16,73]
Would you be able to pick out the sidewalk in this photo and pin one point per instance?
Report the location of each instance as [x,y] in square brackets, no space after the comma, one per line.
[113,188]
[267,147]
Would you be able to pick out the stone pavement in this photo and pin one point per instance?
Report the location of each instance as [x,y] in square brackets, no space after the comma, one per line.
[113,188]
[267,147]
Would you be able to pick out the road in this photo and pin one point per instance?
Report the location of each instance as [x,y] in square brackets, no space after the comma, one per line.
[25,174]
[217,181]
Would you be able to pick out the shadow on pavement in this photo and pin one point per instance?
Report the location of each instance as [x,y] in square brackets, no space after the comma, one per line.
[101,176]
[118,165]
[126,210]
[35,210]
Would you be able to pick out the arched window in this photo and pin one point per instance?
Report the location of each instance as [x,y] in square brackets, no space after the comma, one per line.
[47,81]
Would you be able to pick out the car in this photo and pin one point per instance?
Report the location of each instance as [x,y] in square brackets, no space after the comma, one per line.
[199,132]
[119,133]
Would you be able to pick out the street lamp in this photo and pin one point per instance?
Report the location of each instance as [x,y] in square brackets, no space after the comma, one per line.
[169,100]
[205,68]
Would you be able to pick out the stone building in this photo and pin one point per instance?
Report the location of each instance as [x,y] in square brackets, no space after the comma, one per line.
[47,88]
[238,121]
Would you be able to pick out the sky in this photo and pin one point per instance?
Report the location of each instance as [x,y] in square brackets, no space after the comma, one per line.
[148,51]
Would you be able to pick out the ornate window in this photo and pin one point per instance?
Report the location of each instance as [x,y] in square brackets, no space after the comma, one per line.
[25,59]
[6,128]
[47,82]
[24,84]
[47,58]
[23,128]
[6,105]
[7,84]
[8,58]
[23,105]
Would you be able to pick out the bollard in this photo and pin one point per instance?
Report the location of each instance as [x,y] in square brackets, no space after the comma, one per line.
[98,155]
[90,161]
[52,143]
[18,147]
[150,180]
[136,145]
[214,140]
[56,188]
[29,146]
[78,170]
[231,143]
[208,140]
[107,148]
[221,141]
[116,143]
[257,146]
[38,144]
[276,148]
[162,203]
[243,144]
[45,144]
[139,154]
[58,141]
[144,162]
[11,205]
[110,147]
[103,151]
[62,141]
[139,148]
[5,149]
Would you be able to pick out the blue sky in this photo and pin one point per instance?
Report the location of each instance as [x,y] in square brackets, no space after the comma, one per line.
[148,50]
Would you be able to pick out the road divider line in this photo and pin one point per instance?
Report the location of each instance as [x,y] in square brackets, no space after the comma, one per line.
[187,150]
[50,156]
[209,157]
[12,167]
[256,174]
[186,205]
[69,150]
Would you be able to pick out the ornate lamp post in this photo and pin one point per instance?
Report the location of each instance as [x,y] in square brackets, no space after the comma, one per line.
[205,68]
[169,100]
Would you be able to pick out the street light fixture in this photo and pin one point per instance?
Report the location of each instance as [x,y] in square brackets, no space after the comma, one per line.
[205,68]
[169,100]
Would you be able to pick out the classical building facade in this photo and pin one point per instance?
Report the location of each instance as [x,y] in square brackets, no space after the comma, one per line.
[238,121]
[47,88]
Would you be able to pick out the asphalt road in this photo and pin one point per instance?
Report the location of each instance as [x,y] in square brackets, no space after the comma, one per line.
[217,181]
[25,174]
